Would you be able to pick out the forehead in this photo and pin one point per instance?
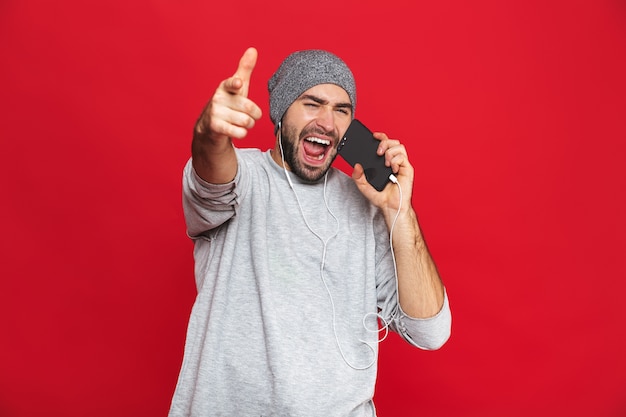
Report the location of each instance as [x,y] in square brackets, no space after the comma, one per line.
[331,93]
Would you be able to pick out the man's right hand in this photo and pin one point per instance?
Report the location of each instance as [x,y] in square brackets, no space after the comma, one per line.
[230,113]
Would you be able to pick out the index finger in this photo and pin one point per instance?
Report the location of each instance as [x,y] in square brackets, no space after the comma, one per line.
[244,71]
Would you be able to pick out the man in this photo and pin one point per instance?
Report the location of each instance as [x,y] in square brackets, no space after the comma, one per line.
[293,261]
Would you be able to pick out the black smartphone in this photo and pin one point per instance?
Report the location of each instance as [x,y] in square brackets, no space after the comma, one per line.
[358,145]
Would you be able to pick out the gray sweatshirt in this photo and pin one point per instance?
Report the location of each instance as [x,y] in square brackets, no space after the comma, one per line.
[289,282]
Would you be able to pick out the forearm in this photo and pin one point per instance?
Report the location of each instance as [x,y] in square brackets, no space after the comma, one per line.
[214,161]
[420,290]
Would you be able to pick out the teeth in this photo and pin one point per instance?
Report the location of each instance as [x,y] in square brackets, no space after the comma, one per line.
[318,140]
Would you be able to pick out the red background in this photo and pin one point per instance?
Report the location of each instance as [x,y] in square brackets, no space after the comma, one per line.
[514,114]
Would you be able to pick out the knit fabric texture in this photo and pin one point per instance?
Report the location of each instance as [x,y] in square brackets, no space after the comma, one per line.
[305,69]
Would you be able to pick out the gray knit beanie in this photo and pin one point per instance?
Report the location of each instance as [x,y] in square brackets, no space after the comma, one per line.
[302,70]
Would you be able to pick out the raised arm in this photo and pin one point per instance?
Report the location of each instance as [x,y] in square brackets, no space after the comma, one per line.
[229,114]
[420,290]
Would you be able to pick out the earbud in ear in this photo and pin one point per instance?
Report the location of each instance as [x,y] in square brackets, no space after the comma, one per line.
[277,127]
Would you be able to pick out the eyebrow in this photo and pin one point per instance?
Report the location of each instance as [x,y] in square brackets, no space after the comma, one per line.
[322,101]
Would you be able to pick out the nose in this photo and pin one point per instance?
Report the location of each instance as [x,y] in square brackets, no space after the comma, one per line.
[326,119]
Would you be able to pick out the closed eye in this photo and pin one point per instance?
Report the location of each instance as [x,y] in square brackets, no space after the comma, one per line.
[315,102]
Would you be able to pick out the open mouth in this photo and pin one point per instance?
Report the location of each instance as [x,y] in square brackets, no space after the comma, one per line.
[315,149]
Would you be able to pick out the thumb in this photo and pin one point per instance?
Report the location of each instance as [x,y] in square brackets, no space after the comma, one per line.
[358,175]
[244,71]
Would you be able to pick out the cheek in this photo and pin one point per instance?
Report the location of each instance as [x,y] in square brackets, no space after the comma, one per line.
[294,126]
[299,116]
[291,136]
[342,126]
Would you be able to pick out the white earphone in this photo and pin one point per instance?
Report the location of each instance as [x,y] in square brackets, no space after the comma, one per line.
[386,322]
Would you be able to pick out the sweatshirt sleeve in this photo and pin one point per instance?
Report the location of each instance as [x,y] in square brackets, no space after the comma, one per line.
[205,205]
[428,334]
